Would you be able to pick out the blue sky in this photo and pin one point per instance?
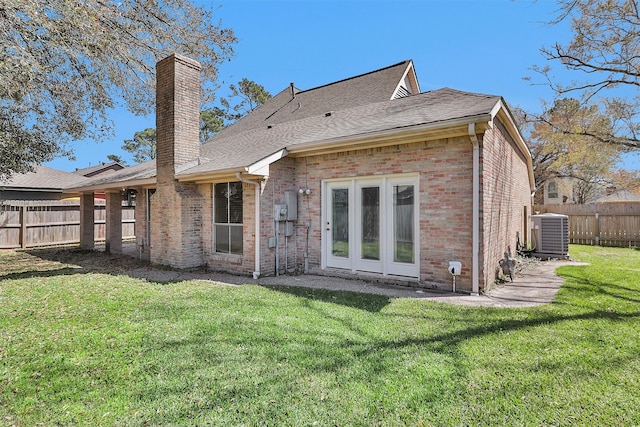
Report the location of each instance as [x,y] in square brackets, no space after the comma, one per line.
[477,46]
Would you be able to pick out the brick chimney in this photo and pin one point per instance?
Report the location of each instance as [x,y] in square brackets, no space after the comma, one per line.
[177,112]
[176,208]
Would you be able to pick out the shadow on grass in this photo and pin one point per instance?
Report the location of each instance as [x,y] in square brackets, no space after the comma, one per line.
[254,356]
[49,262]
[254,362]
[601,289]
[38,261]
[368,302]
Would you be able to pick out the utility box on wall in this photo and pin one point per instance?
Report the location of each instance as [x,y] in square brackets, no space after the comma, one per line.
[287,211]
[291,200]
[280,212]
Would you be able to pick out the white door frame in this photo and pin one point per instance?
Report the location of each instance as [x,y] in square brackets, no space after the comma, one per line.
[354,261]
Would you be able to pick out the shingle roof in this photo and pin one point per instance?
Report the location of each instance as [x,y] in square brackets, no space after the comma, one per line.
[439,106]
[620,196]
[44,178]
[375,86]
[138,172]
[358,107]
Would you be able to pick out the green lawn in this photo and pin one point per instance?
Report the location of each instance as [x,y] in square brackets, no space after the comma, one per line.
[82,343]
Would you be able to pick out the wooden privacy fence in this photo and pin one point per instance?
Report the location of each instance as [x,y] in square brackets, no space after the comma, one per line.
[28,224]
[605,224]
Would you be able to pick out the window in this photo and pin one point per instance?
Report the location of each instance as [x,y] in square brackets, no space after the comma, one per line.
[552,190]
[227,217]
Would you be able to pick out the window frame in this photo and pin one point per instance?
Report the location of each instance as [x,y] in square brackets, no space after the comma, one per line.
[229,224]
[552,194]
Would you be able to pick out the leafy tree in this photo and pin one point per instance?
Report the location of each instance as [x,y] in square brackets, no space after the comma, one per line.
[561,146]
[117,159]
[142,146]
[212,120]
[20,147]
[251,95]
[604,52]
[65,64]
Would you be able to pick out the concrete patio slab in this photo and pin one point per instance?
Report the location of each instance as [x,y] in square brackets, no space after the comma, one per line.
[534,285]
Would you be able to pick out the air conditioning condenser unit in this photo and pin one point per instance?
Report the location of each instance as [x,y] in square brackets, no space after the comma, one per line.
[550,235]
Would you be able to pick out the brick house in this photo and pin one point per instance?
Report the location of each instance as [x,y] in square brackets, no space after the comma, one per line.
[364,177]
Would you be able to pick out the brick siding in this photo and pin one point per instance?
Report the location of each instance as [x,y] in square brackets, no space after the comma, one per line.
[177,208]
[445,171]
[506,193]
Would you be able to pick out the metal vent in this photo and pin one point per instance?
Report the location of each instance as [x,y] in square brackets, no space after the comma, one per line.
[402,92]
[551,232]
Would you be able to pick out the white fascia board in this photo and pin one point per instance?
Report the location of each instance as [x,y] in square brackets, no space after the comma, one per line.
[516,135]
[261,167]
[209,176]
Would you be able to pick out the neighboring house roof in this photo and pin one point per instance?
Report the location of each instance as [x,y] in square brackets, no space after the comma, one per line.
[44,179]
[620,196]
[342,114]
[140,174]
[99,169]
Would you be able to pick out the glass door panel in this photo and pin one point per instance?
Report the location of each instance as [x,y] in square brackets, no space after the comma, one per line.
[340,222]
[370,217]
[403,224]
[337,237]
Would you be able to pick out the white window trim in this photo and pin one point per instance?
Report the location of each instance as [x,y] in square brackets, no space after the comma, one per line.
[214,223]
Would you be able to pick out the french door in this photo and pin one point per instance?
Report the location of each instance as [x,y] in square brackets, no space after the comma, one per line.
[371,224]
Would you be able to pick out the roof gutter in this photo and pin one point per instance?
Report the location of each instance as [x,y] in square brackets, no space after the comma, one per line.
[340,142]
[32,190]
[211,175]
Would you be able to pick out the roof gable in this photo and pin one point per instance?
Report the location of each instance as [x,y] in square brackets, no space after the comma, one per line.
[351,113]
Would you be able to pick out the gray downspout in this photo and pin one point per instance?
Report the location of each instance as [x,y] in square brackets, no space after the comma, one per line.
[475,245]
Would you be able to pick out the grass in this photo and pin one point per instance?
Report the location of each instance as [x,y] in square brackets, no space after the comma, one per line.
[83,343]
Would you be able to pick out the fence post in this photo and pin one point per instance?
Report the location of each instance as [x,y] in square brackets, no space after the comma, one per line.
[597,230]
[23,226]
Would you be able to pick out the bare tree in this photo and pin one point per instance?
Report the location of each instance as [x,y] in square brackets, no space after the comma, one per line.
[604,52]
